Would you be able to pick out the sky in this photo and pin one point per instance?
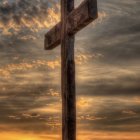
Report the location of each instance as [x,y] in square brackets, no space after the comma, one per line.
[107,72]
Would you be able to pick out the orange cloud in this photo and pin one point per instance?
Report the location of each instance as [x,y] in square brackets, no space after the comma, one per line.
[106,135]
[34,23]
[7,70]
[24,66]
[53,93]
[84,57]
[101,16]
[25,136]
[129,112]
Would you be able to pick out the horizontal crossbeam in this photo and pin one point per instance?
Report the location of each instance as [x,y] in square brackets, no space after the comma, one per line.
[76,20]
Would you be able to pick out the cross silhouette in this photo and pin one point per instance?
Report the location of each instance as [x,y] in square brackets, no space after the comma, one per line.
[72,20]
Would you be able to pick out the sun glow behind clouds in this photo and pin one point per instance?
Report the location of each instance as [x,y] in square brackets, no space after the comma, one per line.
[21,67]
[28,136]
[83,135]
[18,136]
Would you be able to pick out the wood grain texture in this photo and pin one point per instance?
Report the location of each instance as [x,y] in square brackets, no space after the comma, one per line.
[76,20]
[52,38]
[68,75]
[72,20]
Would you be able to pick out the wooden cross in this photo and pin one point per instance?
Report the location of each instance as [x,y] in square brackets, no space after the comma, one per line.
[72,20]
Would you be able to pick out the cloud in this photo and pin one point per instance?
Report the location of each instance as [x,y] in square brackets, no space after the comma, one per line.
[23,21]
[114,83]
[116,38]
[129,112]
[9,69]
[31,14]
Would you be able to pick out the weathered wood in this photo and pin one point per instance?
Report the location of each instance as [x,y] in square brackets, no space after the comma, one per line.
[71,22]
[76,20]
[68,75]
[53,37]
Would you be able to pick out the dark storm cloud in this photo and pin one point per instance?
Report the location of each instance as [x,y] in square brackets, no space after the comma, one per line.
[24,9]
[23,24]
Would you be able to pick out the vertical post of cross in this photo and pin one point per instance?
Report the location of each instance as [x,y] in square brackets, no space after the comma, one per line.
[72,21]
[68,75]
